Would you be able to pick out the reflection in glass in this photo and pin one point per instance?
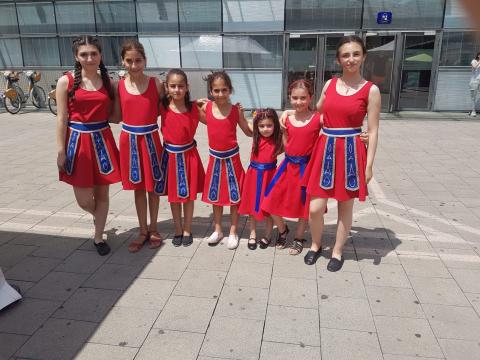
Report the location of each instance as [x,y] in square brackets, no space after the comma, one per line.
[162,52]
[416,71]
[40,51]
[455,16]
[66,55]
[256,51]
[10,53]
[202,52]
[257,89]
[75,17]
[378,65]
[302,59]
[253,15]
[323,14]
[36,17]
[459,48]
[115,16]
[8,19]
[332,69]
[157,15]
[200,15]
[111,46]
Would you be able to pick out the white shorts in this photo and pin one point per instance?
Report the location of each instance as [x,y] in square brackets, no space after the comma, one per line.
[474,84]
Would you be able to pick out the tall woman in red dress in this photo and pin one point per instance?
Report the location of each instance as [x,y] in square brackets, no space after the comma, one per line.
[341,165]
[87,154]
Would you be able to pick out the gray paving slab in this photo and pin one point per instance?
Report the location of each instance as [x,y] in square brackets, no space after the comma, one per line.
[113,276]
[167,249]
[200,283]
[10,344]
[251,274]
[100,352]
[11,254]
[57,286]
[426,266]
[217,258]
[293,292]
[346,314]
[167,344]
[243,254]
[292,266]
[242,302]
[31,268]
[467,279]
[343,344]
[460,349]
[343,284]
[438,291]
[81,262]
[281,351]
[147,294]
[390,301]
[164,267]
[384,275]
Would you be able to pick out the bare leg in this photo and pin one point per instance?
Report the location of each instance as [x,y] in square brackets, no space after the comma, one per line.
[100,193]
[141,206]
[187,217]
[282,231]
[301,226]
[85,199]
[268,227]
[217,217]
[153,204]
[234,219]
[278,220]
[253,227]
[317,211]
[344,224]
[177,218]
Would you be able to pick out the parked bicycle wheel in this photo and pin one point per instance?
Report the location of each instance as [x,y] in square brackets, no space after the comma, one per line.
[38,97]
[52,105]
[20,93]
[12,101]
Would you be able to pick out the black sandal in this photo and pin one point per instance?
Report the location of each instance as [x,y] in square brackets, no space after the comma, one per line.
[177,240]
[281,242]
[252,245]
[264,242]
[297,246]
[312,256]
[334,264]
[187,240]
[102,248]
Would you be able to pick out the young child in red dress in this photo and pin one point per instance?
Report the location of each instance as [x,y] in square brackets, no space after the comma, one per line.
[224,172]
[87,154]
[341,166]
[284,196]
[181,165]
[140,147]
[267,145]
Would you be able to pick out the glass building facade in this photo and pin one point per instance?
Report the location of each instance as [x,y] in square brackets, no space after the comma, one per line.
[419,50]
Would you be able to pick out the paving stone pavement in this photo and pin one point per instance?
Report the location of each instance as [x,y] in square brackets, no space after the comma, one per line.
[409,288]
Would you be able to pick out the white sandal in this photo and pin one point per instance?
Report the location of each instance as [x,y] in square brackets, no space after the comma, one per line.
[232,243]
[215,238]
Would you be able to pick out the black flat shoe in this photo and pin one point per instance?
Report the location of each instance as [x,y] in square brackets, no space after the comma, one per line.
[102,248]
[311,256]
[187,240]
[334,264]
[252,245]
[264,242]
[177,240]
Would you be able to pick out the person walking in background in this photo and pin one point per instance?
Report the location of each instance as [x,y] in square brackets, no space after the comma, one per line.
[475,82]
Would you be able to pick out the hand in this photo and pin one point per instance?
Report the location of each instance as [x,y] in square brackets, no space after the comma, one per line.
[61,160]
[364,137]
[240,106]
[201,102]
[368,174]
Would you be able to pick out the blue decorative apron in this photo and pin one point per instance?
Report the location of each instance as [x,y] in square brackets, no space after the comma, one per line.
[183,190]
[260,168]
[220,157]
[95,129]
[327,179]
[134,171]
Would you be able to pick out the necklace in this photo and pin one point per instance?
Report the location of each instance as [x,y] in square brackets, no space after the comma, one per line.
[348,88]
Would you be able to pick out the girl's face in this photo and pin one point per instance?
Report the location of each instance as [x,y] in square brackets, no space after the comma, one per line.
[134,62]
[220,91]
[266,127]
[177,87]
[300,99]
[88,56]
[351,57]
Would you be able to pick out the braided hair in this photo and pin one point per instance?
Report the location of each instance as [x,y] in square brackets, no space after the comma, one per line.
[88,40]
[166,98]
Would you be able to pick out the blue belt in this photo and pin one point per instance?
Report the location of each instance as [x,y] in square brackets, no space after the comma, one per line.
[327,179]
[104,161]
[183,190]
[260,167]
[140,130]
[302,161]
[232,181]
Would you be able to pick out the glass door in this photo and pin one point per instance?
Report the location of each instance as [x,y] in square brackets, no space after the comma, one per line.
[416,74]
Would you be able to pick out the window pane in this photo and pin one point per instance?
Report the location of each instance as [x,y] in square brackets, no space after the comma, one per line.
[200,15]
[459,48]
[257,51]
[115,16]
[37,17]
[454,15]
[253,15]
[8,19]
[75,16]
[10,53]
[257,89]
[203,52]
[406,14]
[40,51]
[66,55]
[323,14]
[157,15]
[111,47]
[162,52]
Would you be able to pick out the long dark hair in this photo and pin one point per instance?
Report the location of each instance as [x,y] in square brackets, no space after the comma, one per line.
[478,56]
[218,75]
[132,44]
[262,114]
[166,98]
[89,40]
[348,39]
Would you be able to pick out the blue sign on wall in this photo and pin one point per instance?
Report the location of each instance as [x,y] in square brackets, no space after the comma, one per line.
[384,17]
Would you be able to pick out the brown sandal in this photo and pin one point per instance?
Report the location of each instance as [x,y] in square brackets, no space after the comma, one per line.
[138,243]
[281,242]
[296,247]
[155,240]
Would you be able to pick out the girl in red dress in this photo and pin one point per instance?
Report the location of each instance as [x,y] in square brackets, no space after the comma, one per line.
[224,172]
[181,164]
[284,196]
[267,145]
[341,165]
[140,147]
[87,154]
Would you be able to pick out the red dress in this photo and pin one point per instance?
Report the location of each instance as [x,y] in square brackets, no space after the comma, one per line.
[252,194]
[342,112]
[184,169]
[140,147]
[286,197]
[92,155]
[224,172]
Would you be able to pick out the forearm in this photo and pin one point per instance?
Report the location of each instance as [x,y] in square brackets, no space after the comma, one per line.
[372,146]
[61,134]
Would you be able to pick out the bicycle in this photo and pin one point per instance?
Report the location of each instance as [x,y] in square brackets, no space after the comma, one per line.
[117,75]
[11,98]
[15,94]
[52,99]
[35,91]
